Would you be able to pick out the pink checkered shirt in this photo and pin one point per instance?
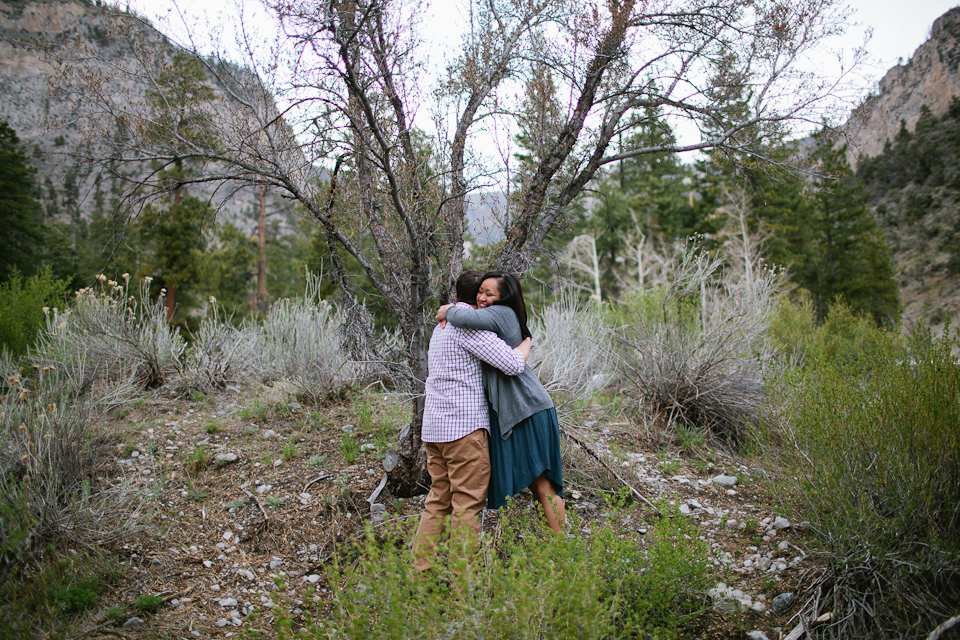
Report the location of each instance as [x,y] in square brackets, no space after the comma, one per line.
[455,404]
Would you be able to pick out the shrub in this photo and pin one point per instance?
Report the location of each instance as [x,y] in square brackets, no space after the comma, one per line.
[573,345]
[221,354]
[109,336]
[877,462]
[301,342]
[148,604]
[527,584]
[51,485]
[23,305]
[694,348]
[843,334]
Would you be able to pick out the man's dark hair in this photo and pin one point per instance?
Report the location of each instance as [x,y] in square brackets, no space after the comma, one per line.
[468,286]
[511,295]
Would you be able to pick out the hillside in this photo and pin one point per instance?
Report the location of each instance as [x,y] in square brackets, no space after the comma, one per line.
[42,118]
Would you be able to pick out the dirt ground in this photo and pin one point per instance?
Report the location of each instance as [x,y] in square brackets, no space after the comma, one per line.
[291,486]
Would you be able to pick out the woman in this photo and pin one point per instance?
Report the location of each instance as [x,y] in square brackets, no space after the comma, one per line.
[527,453]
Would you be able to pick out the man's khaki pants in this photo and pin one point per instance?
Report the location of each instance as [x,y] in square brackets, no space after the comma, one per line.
[460,474]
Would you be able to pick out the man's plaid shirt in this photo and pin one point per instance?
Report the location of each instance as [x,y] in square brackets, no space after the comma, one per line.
[456,405]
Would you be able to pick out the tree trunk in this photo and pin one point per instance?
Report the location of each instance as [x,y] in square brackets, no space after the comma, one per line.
[262,262]
[407,466]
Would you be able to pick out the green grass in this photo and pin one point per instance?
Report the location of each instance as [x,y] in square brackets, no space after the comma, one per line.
[349,449]
[670,467]
[197,460]
[258,411]
[212,427]
[290,452]
[147,605]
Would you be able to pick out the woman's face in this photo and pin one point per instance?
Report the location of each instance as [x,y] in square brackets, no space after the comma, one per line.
[489,293]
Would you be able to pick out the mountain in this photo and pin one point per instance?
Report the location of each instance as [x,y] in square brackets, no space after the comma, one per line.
[930,77]
[42,119]
[907,141]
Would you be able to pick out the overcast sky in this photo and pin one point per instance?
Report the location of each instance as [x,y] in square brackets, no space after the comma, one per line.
[899,27]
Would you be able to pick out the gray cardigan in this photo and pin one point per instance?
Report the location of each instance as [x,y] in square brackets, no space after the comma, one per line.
[513,398]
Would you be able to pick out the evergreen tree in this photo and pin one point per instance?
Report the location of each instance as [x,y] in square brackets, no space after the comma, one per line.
[22,239]
[852,261]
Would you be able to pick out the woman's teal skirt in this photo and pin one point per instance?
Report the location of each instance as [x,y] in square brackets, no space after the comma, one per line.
[532,448]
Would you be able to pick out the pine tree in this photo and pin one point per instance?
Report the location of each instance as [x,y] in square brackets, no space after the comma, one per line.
[851,262]
[22,239]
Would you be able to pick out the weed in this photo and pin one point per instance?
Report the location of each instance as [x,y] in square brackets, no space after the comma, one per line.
[212,427]
[275,501]
[116,614]
[235,505]
[723,521]
[317,460]
[79,597]
[691,438]
[750,525]
[250,430]
[197,460]
[258,411]
[619,500]
[148,604]
[398,505]
[756,541]
[290,451]
[622,588]
[349,449]
[670,467]
[196,496]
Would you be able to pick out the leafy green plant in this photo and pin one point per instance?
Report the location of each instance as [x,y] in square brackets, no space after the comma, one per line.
[878,470]
[749,525]
[619,499]
[622,589]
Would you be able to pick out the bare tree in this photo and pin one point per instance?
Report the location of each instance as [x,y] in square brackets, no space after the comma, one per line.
[394,198]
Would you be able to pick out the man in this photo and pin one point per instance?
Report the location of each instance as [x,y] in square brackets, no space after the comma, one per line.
[456,425]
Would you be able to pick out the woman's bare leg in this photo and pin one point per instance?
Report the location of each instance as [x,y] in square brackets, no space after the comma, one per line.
[552,504]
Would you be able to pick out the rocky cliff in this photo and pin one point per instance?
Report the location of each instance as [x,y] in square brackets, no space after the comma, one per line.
[931,77]
[30,32]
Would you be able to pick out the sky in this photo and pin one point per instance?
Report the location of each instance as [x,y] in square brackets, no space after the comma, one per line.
[899,27]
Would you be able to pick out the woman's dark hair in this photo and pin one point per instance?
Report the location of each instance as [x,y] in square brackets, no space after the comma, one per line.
[511,295]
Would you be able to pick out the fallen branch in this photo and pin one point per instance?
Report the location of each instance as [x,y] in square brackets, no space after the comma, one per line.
[805,627]
[943,628]
[597,457]
[322,476]
[257,500]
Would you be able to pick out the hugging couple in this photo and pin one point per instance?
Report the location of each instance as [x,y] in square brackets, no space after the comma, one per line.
[489,427]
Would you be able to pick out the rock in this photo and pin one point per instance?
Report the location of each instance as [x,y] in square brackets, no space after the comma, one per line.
[727,481]
[269,433]
[348,428]
[783,546]
[222,622]
[227,535]
[134,454]
[228,602]
[782,602]
[694,504]
[262,489]
[214,587]
[226,458]
[759,607]
[313,578]
[757,635]
[378,512]
[586,505]
[132,623]
[781,523]
[295,406]
[275,563]
[685,509]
